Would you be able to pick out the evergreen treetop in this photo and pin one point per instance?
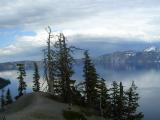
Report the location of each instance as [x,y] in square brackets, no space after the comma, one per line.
[36,77]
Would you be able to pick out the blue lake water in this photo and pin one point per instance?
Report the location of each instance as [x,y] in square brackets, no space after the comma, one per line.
[148,82]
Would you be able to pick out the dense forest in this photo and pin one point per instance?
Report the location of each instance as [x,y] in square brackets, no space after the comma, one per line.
[109,101]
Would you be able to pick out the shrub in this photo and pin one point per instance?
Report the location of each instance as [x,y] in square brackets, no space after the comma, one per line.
[72,115]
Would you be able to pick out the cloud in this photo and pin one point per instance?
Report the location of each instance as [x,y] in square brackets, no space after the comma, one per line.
[30,47]
[25,46]
[39,13]
[83,20]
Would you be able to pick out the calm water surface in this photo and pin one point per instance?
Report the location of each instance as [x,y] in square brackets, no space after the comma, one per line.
[148,82]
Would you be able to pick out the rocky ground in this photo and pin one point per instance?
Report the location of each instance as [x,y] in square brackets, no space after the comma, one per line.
[39,106]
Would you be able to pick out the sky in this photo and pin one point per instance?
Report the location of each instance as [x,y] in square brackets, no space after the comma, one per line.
[100,26]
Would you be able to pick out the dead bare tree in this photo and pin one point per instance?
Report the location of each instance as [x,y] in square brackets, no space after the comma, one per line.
[49,63]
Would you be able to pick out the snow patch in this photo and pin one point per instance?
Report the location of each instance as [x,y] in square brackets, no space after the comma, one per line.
[151,49]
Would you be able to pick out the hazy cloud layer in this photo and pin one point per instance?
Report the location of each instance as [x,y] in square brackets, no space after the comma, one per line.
[109,21]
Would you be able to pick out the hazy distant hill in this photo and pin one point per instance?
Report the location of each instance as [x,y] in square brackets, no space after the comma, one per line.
[13,65]
[149,58]
[146,59]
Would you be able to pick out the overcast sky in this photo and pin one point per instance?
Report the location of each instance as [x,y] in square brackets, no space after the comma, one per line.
[98,25]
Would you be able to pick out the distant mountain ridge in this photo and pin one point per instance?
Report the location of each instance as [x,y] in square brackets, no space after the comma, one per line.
[152,49]
[13,65]
[148,58]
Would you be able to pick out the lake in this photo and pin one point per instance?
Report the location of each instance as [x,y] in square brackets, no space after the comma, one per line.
[148,82]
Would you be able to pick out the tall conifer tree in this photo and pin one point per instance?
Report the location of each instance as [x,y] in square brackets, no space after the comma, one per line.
[91,77]
[121,107]
[2,100]
[22,83]
[114,99]
[132,103]
[64,70]
[36,77]
[104,99]
[8,97]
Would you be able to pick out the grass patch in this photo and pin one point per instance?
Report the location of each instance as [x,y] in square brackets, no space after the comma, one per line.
[72,115]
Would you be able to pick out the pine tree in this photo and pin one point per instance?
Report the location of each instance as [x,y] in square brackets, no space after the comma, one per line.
[2,100]
[36,77]
[114,100]
[64,71]
[58,67]
[80,87]
[8,97]
[77,97]
[22,83]
[121,103]
[91,77]
[104,99]
[132,104]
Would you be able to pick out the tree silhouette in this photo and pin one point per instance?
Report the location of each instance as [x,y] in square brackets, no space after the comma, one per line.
[49,63]
[121,107]
[8,97]
[22,83]
[104,99]
[64,71]
[114,99]
[132,103]
[90,77]
[36,77]
[2,100]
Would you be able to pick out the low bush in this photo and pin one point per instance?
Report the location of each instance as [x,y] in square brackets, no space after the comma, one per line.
[72,115]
